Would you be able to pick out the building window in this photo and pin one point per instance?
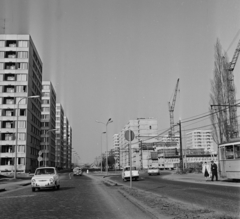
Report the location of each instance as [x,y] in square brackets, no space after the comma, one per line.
[21,77]
[21,136]
[21,124]
[22,55]
[21,148]
[22,43]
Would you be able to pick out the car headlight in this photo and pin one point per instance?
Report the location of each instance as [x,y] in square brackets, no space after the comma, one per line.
[51,180]
[33,180]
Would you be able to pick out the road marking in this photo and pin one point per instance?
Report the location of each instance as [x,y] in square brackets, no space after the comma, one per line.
[19,196]
[70,175]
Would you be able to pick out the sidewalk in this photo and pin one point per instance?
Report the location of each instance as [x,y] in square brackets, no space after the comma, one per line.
[189,177]
[199,178]
[7,184]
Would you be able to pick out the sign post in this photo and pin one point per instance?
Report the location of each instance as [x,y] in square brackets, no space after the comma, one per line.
[39,158]
[129,136]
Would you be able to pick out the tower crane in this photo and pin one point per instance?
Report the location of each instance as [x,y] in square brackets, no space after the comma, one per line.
[171,110]
[232,96]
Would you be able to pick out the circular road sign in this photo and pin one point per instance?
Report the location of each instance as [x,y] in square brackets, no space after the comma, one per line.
[39,153]
[40,159]
[129,135]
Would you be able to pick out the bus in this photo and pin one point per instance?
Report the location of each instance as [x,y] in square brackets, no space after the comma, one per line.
[229,159]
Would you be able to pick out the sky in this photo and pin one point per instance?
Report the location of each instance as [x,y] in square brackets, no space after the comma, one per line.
[121,59]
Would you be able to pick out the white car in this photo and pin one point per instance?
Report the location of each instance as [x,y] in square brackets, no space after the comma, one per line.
[153,171]
[126,173]
[45,177]
[77,171]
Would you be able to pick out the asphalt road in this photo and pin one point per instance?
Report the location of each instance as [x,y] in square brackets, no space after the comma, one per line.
[221,199]
[78,197]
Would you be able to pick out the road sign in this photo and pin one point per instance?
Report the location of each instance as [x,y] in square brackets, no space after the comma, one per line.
[129,135]
[40,159]
[40,153]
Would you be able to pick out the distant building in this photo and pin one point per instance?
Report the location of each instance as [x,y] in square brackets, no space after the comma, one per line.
[69,154]
[48,123]
[65,142]
[200,139]
[20,77]
[145,130]
[116,150]
[59,136]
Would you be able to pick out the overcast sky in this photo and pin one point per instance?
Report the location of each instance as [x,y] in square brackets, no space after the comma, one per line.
[121,59]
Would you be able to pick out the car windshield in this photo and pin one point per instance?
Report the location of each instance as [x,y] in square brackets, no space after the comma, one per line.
[45,171]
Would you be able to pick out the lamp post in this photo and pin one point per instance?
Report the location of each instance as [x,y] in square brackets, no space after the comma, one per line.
[15,162]
[45,149]
[101,150]
[109,121]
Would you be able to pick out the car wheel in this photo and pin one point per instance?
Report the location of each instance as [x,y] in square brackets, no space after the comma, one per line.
[149,174]
[158,173]
[58,187]
[33,189]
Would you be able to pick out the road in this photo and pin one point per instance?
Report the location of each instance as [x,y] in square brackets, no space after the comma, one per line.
[222,199]
[78,197]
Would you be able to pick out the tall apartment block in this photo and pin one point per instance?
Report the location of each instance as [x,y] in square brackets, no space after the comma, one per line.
[65,142]
[116,150]
[48,124]
[145,129]
[69,156]
[200,139]
[59,136]
[20,78]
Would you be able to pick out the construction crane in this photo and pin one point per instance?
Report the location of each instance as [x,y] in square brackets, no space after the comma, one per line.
[232,97]
[171,111]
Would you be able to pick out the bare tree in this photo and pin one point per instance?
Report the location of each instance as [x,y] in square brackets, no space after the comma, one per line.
[219,97]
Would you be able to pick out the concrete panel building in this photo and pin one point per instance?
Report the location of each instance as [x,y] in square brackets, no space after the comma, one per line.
[48,124]
[200,139]
[20,78]
[59,136]
[69,154]
[145,129]
[65,142]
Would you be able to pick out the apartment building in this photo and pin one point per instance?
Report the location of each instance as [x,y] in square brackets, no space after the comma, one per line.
[145,129]
[48,124]
[200,139]
[59,136]
[65,142]
[69,154]
[20,108]
[116,150]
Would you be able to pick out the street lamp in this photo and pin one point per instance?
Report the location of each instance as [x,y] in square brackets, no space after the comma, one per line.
[101,149]
[45,149]
[15,163]
[109,121]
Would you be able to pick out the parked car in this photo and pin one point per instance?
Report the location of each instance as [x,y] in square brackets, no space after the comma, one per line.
[153,171]
[77,171]
[126,173]
[45,177]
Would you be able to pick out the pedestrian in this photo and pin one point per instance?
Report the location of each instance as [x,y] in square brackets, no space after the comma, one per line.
[214,170]
[205,170]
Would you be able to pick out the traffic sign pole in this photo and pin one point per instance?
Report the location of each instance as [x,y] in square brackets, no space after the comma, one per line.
[129,136]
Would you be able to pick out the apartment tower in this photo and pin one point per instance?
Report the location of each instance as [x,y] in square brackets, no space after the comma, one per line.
[59,136]
[48,124]
[20,80]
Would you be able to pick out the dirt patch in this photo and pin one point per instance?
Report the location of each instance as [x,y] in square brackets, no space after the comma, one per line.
[165,206]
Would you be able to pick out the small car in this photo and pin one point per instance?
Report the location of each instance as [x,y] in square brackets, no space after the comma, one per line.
[126,173]
[77,171]
[153,171]
[45,177]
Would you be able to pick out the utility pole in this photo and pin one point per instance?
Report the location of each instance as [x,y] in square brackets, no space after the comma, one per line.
[181,150]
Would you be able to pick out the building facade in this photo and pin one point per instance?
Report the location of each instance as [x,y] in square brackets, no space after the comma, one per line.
[116,150]
[20,116]
[69,154]
[65,142]
[145,129]
[59,136]
[200,139]
[48,124]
